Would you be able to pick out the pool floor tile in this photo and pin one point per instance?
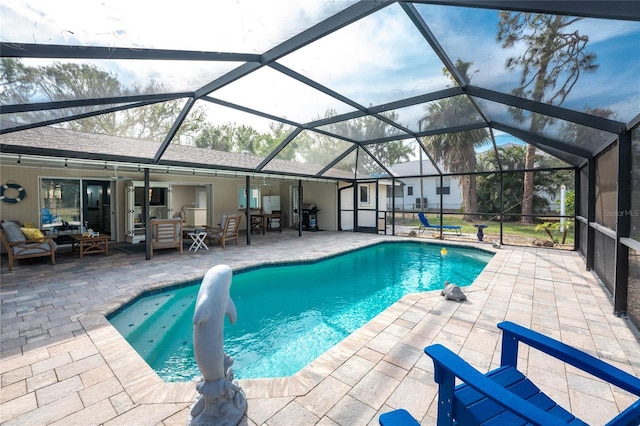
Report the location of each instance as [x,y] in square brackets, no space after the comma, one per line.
[62,363]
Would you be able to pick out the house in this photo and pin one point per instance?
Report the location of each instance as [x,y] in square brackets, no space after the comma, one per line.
[413,189]
[63,195]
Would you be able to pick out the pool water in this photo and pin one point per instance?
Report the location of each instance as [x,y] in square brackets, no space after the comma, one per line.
[290,314]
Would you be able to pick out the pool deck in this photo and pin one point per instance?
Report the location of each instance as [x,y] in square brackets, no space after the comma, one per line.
[61,363]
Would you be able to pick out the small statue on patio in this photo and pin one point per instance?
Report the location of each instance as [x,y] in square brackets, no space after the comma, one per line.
[221,401]
[453,292]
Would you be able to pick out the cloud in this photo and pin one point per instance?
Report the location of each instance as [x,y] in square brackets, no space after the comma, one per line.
[378,59]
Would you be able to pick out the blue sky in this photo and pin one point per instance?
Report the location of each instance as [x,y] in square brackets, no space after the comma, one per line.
[376,60]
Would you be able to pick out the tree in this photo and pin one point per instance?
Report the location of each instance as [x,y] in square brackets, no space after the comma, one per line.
[71,81]
[218,138]
[551,64]
[16,81]
[547,182]
[319,148]
[278,132]
[456,150]
[387,153]
[230,137]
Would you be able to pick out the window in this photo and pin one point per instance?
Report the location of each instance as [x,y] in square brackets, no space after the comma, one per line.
[364,194]
[446,186]
[409,190]
[254,197]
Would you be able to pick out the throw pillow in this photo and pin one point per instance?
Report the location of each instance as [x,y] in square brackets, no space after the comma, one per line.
[29,225]
[12,232]
[32,234]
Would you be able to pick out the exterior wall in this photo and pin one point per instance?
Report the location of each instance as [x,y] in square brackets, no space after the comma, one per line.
[325,196]
[366,211]
[26,210]
[225,194]
[451,201]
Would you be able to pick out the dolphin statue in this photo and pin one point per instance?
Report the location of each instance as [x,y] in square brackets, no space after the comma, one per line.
[221,401]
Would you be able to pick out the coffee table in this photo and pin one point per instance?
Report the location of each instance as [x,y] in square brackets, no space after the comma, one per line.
[89,245]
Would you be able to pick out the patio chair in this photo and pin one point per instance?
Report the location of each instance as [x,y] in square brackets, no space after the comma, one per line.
[257,224]
[47,217]
[228,230]
[507,396]
[25,243]
[166,233]
[424,224]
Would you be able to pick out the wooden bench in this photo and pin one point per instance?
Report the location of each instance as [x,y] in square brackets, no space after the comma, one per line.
[166,233]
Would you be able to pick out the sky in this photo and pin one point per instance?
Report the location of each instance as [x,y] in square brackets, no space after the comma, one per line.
[379,59]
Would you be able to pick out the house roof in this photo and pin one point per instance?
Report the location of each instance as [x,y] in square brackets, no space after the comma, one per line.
[414,168]
[349,82]
[63,143]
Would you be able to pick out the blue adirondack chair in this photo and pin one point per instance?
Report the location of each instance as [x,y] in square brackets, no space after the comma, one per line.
[48,217]
[505,396]
[424,224]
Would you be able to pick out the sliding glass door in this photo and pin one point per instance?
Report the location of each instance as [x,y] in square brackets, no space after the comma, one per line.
[60,204]
[68,205]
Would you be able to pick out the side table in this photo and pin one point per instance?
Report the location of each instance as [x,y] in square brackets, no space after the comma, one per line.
[198,241]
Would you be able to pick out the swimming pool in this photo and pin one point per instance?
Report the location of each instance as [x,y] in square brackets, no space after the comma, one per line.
[290,314]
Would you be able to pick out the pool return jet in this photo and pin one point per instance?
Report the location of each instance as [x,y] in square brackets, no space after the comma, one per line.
[221,401]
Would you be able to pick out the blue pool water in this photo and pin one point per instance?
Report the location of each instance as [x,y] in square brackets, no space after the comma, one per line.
[290,314]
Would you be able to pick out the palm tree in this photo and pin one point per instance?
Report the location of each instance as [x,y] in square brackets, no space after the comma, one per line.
[456,151]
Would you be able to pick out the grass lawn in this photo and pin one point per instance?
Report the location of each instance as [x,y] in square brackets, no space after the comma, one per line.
[515,229]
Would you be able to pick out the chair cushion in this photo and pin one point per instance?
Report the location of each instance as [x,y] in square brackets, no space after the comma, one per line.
[34,249]
[32,234]
[12,232]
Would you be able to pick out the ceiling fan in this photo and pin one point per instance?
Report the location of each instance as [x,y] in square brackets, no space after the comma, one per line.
[118,177]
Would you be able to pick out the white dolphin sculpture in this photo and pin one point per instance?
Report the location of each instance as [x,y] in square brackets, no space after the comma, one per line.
[221,401]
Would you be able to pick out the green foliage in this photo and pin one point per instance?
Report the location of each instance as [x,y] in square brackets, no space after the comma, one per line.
[360,129]
[513,158]
[456,150]
[71,81]
[554,54]
[552,57]
[556,227]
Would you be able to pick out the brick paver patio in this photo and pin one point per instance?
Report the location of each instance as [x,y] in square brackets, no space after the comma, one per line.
[61,362]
